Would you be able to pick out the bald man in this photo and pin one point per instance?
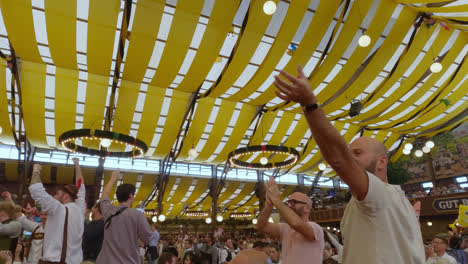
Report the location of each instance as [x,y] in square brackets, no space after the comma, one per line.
[302,240]
[379,224]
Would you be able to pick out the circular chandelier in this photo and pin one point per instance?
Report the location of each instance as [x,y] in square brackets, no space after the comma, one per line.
[67,139]
[291,159]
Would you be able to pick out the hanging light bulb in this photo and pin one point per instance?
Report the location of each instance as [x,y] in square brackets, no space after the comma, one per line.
[418,153]
[364,40]
[270,220]
[408,146]
[269,7]
[436,67]
[105,142]
[264,161]
[406,151]
[162,218]
[219,218]
[426,149]
[429,223]
[254,221]
[322,166]
[430,144]
[192,152]
[154,219]
[208,220]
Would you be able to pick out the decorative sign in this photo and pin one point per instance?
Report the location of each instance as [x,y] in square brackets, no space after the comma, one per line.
[449,204]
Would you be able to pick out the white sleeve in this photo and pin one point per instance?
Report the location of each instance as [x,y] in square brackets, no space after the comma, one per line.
[45,200]
[11,229]
[81,198]
[223,255]
[376,194]
[27,224]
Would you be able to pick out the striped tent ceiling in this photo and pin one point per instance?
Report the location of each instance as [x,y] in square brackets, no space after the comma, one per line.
[220,58]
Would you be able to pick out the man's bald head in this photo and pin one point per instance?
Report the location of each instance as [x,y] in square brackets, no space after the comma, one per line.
[375,145]
[371,155]
[299,196]
[250,256]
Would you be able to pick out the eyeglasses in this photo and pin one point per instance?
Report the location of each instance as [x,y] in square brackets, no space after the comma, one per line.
[294,202]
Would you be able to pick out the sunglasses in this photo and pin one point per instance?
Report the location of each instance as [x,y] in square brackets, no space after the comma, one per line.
[294,201]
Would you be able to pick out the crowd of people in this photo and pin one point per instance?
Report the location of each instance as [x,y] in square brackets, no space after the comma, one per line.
[437,191]
[379,225]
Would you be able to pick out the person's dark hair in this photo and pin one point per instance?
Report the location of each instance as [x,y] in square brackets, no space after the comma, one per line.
[259,244]
[165,257]
[442,237]
[172,250]
[71,190]
[192,257]
[455,241]
[190,241]
[124,191]
[275,246]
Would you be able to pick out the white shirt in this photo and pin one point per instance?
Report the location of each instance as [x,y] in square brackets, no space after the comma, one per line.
[53,238]
[444,259]
[35,251]
[382,228]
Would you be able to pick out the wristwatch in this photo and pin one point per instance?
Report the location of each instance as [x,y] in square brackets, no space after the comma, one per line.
[310,107]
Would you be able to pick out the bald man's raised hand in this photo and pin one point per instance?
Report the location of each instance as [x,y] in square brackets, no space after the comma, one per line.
[298,88]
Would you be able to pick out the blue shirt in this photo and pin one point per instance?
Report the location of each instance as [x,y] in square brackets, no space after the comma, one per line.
[154,239]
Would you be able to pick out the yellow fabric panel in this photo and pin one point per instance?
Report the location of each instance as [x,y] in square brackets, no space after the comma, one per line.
[200,188]
[125,108]
[345,37]
[176,208]
[199,121]
[282,128]
[179,194]
[418,1]
[145,188]
[219,25]
[298,133]
[247,190]
[88,175]
[66,85]
[406,59]
[19,24]
[263,128]
[11,171]
[380,136]
[368,133]
[412,79]
[230,189]
[351,132]
[307,149]
[61,31]
[251,202]
[65,175]
[169,186]
[33,76]
[385,52]
[444,9]
[149,118]
[248,43]
[7,135]
[394,137]
[45,174]
[129,177]
[223,118]
[397,155]
[183,26]
[288,190]
[243,122]
[291,22]
[317,28]
[428,84]
[174,119]
[95,102]
[206,205]
[142,38]
[310,165]
[102,24]
[447,128]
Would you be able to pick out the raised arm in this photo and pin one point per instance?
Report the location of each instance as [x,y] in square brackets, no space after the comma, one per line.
[108,188]
[262,220]
[333,146]
[39,194]
[79,182]
[289,216]
[25,223]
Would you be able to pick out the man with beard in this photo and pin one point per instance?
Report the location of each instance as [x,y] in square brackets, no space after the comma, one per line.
[379,224]
[302,240]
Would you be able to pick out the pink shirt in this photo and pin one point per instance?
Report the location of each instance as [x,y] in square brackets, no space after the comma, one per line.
[297,249]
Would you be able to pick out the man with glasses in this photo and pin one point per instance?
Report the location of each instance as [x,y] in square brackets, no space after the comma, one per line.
[379,224]
[302,240]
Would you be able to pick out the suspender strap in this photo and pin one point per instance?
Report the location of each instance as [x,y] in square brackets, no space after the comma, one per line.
[65,235]
[109,220]
[30,241]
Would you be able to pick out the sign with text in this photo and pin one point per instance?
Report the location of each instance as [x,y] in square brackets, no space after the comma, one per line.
[449,204]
